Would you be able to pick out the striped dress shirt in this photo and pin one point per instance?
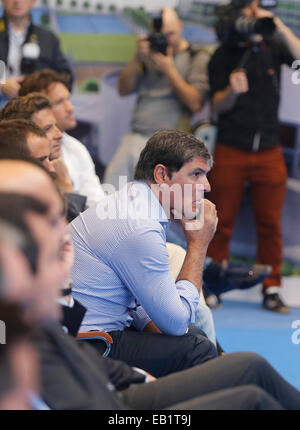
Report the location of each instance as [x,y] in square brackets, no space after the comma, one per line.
[121,271]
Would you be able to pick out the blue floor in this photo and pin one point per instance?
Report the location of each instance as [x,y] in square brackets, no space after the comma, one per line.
[243,326]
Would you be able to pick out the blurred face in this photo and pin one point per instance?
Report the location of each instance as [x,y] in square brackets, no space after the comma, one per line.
[48,194]
[172,29]
[36,292]
[189,185]
[45,119]
[62,106]
[251,9]
[17,275]
[49,232]
[39,149]
[24,363]
[17,8]
[50,276]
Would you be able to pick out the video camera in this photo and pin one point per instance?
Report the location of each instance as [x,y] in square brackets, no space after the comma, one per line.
[233,27]
[158,41]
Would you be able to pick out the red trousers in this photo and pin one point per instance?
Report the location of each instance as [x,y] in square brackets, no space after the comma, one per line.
[266,172]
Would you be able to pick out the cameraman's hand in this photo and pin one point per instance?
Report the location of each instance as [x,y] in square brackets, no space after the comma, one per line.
[163,63]
[238,81]
[143,48]
[280,26]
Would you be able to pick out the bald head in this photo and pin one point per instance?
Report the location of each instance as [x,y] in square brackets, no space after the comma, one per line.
[22,177]
[172,29]
[169,15]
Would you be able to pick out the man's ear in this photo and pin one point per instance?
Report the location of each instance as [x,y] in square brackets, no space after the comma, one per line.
[160,174]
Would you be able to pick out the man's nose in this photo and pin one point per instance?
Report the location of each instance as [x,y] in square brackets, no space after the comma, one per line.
[69,106]
[58,134]
[206,185]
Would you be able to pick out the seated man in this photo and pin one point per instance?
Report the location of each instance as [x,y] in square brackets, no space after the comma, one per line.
[121,271]
[183,351]
[37,108]
[81,167]
[26,138]
[77,158]
[78,378]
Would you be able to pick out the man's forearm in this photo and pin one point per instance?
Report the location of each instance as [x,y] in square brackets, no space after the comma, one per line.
[187,94]
[293,43]
[128,78]
[192,268]
[223,100]
[291,40]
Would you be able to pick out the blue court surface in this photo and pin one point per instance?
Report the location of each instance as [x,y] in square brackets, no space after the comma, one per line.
[243,326]
[197,34]
[98,24]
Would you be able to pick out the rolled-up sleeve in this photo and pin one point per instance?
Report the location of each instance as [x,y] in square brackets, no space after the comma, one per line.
[140,318]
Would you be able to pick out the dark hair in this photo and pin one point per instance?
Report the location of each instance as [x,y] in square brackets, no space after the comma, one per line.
[40,81]
[172,148]
[13,208]
[24,107]
[14,134]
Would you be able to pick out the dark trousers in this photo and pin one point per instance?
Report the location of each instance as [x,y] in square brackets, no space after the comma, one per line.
[239,380]
[266,172]
[159,354]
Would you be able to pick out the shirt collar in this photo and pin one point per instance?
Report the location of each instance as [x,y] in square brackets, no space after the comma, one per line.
[145,203]
[18,34]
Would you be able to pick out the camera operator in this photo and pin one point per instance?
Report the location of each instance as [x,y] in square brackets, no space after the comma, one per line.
[244,75]
[167,86]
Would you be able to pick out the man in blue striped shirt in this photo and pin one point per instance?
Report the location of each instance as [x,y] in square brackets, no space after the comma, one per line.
[121,272]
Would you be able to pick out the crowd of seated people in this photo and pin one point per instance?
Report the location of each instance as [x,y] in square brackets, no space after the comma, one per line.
[102,310]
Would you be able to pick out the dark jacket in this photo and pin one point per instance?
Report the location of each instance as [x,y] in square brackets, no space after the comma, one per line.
[50,52]
[252,123]
[75,376]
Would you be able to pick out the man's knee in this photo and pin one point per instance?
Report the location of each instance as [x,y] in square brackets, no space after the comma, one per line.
[201,349]
[250,361]
[255,398]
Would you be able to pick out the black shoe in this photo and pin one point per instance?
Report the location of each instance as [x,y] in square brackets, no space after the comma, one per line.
[273,302]
[219,278]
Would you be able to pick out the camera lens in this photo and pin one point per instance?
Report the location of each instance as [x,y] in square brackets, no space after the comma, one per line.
[264,26]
